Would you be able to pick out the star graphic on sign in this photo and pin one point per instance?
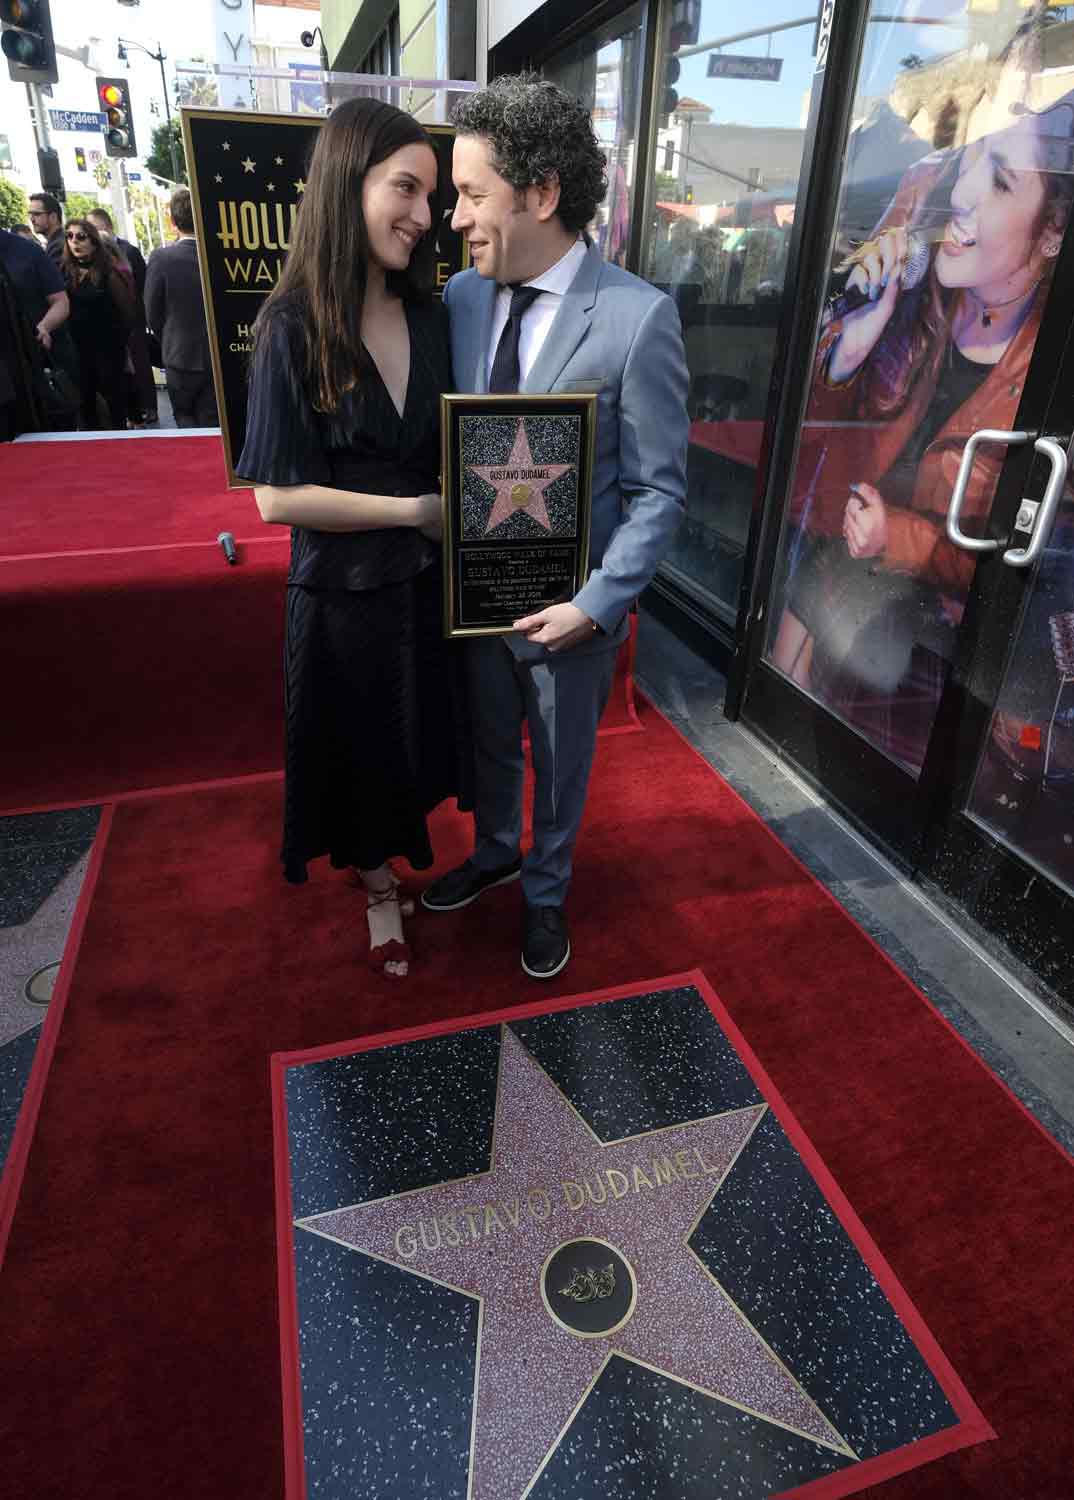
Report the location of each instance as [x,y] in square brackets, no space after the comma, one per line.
[279,161]
[226,146]
[300,186]
[219,177]
[248,165]
[501,1236]
[520,483]
[270,187]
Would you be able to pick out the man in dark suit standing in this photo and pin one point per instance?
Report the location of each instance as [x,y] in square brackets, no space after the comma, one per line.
[176,312]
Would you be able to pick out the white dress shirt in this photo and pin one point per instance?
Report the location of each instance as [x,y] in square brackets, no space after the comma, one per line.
[537,319]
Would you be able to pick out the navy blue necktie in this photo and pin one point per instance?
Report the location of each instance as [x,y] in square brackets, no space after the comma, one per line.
[505,374]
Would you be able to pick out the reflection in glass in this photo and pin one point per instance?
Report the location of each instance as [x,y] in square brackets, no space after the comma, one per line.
[1024,787]
[728,152]
[604,70]
[942,265]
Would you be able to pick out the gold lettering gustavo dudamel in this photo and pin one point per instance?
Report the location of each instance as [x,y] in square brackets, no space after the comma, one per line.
[470,1226]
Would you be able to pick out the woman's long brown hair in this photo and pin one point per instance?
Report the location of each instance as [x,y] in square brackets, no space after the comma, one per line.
[324,275]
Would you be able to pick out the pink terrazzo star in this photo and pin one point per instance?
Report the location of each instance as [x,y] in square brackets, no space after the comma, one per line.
[551,1181]
[519,483]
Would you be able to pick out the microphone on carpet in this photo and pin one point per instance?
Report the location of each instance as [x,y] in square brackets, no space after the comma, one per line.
[227,541]
[918,251]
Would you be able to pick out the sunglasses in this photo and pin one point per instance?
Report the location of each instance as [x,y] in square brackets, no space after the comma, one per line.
[77,236]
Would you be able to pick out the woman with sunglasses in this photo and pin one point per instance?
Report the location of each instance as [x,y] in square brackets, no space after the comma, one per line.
[343,445]
[102,314]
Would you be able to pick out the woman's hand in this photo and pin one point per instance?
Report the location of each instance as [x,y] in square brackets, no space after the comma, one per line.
[430,519]
[865,522]
[878,267]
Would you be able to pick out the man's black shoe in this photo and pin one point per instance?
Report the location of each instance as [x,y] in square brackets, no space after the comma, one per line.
[464,884]
[545,944]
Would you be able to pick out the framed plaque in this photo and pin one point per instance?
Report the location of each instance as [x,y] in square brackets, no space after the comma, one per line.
[517,477]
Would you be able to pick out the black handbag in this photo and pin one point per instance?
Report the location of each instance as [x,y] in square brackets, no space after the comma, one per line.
[57,396]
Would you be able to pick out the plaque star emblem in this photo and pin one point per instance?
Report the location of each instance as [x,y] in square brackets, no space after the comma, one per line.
[270,187]
[300,185]
[502,1237]
[248,165]
[520,483]
[219,177]
[279,161]
[226,146]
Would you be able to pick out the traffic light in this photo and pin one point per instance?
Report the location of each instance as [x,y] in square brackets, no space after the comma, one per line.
[685,25]
[670,101]
[49,173]
[114,102]
[80,158]
[27,41]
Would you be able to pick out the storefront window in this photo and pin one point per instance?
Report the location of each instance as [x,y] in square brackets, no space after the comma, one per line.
[604,70]
[731,100]
[955,197]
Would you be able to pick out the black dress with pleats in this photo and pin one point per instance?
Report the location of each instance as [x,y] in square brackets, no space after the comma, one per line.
[375,727]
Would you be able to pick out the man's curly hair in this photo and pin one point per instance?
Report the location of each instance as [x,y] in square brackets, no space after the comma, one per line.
[538,131]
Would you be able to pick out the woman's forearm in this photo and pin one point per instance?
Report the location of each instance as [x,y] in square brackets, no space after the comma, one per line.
[324,509]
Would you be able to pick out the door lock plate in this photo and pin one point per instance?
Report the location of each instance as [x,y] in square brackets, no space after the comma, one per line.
[1027,515]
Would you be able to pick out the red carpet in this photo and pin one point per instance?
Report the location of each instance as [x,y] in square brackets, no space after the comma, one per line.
[136,658]
[141,1347]
[132,492]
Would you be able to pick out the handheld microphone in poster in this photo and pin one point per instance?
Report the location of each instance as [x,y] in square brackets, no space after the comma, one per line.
[227,541]
[918,252]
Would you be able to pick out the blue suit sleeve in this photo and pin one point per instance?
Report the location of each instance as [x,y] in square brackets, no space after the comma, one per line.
[653,435]
[283,443]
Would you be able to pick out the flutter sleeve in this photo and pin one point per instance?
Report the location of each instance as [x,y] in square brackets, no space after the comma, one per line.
[283,444]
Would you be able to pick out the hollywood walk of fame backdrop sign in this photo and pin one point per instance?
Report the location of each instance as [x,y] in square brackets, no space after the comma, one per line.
[583,1252]
[517,473]
[247,176]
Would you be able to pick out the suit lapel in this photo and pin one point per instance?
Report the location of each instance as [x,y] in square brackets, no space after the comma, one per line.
[569,326]
[480,334]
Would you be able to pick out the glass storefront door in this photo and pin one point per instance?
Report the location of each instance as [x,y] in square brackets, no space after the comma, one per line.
[731,96]
[948,304]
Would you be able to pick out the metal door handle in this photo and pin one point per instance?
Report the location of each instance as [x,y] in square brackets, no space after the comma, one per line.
[1024,557]
[958,494]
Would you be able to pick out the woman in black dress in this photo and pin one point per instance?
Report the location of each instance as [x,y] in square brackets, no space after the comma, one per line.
[102,314]
[343,443]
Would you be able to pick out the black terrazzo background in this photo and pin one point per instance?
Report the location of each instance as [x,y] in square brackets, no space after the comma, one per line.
[640,1064]
[391,1119]
[641,1436]
[786,1261]
[388,1363]
[16,1060]
[36,852]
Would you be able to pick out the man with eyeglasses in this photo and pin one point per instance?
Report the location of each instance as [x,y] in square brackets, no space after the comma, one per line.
[46,217]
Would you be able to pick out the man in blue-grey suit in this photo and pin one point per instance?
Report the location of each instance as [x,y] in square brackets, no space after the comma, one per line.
[541,311]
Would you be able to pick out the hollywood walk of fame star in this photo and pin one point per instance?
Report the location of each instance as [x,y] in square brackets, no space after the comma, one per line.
[248,165]
[517,487]
[551,1182]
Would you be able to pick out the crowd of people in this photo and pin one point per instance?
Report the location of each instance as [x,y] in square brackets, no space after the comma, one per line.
[86,320]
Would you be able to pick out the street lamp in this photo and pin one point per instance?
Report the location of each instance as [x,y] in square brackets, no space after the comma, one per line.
[158,57]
